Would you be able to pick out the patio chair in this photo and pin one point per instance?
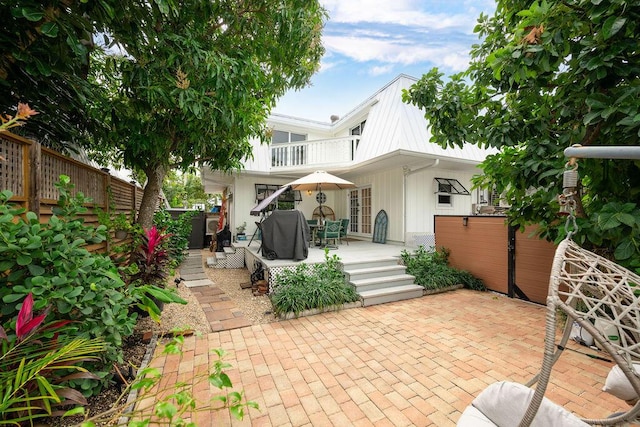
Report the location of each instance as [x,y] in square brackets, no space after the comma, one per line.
[313,226]
[344,228]
[603,299]
[330,231]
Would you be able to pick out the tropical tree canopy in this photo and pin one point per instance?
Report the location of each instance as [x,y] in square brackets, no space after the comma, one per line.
[183,190]
[156,85]
[44,61]
[548,75]
[199,78]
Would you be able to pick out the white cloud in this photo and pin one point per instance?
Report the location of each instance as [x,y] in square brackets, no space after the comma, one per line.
[379,70]
[402,12]
[327,65]
[399,51]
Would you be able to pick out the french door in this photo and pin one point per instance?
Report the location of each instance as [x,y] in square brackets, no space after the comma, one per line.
[360,210]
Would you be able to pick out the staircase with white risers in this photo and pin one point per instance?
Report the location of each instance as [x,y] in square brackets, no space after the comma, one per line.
[381,280]
[231,257]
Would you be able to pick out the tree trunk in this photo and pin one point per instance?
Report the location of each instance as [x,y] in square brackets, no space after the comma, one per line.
[151,195]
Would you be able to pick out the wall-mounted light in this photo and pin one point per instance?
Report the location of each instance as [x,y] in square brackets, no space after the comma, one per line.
[465,221]
[309,192]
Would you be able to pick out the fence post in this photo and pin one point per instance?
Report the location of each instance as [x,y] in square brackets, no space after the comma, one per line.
[134,189]
[511,262]
[34,168]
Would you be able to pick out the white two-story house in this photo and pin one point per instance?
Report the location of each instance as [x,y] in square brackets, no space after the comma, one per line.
[382,146]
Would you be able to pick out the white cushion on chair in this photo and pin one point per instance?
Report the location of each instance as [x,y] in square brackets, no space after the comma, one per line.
[471,417]
[618,384]
[505,403]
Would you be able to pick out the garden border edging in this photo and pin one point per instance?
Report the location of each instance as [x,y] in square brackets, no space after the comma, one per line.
[305,313]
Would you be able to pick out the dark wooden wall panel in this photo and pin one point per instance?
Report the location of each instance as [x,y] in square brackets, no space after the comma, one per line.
[533,265]
[480,247]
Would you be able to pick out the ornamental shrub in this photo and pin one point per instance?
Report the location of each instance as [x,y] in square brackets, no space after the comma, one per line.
[307,287]
[179,231]
[35,364]
[51,262]
[432,271]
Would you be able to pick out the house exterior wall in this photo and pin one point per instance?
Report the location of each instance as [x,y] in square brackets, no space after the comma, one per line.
[244,200]
[395,140]
[422,203]
[387,193]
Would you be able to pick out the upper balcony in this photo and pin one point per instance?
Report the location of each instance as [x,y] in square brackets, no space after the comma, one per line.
[317,153]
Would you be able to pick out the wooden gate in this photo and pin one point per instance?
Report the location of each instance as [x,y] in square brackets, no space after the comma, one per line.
[508,261]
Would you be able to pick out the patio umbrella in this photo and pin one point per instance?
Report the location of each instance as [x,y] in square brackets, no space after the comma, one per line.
[318,181]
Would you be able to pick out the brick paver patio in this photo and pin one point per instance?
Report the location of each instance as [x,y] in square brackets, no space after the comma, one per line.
[418,362]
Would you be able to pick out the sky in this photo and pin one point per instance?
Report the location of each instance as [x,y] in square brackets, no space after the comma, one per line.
[370,42]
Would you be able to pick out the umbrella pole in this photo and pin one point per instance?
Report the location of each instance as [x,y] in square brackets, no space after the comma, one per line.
[320,204]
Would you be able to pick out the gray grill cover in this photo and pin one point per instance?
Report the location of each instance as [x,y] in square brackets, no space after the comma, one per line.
[285,235]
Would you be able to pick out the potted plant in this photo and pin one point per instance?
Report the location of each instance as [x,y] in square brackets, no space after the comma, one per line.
[121,224]
[240,231]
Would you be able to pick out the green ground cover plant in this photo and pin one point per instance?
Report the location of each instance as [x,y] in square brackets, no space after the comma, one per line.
[432,271]
[318,286]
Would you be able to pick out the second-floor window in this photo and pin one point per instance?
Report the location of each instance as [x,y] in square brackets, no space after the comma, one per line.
[358,129]
[284,137]
[285,155]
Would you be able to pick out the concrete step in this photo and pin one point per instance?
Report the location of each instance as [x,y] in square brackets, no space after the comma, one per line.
[392,294]
[211,261]
[382,282]
[196,283]
[194,276]
[374,272]
[229,258]
[184,268]
[370,263]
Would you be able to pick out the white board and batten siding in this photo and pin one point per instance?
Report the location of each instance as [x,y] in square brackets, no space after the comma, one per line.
[422,205]
[387,190]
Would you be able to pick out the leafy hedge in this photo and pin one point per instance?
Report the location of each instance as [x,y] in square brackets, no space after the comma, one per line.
[178,230]
[51,262]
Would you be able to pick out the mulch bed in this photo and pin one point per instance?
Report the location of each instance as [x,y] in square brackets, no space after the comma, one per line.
[134,350]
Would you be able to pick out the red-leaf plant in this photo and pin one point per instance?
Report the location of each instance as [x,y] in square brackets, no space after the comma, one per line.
[35,364]
[152,258]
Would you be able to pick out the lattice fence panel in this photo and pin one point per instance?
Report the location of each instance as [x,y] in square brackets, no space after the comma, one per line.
[89,181]
[12,168]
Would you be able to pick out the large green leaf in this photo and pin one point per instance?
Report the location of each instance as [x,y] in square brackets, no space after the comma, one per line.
[32,14]
[612,25]
[50,29]
[625,249]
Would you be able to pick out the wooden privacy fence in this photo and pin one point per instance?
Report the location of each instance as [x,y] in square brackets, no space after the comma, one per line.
[30,172]
[507,260]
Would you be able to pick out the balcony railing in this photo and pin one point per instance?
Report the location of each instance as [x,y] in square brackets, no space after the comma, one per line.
[314,153]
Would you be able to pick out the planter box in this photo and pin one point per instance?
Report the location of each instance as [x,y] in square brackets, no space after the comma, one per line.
[317,311]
